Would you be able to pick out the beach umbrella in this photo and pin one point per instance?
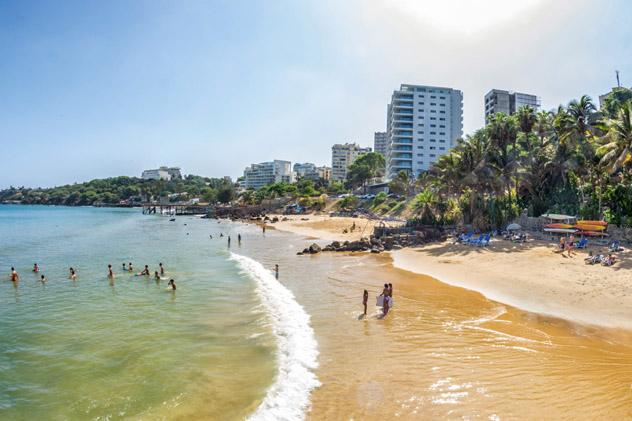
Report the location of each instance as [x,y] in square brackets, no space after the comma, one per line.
[513,227]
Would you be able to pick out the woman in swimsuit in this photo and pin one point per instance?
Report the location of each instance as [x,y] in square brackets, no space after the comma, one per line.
[73,274]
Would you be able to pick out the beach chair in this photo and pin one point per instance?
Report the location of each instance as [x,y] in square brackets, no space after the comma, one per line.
[464,238]
[477,241]
[485,241]
[582,243]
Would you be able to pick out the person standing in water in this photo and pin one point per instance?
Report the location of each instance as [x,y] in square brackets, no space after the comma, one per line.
[239,239]
[162,269]
[14,275]
[73,274]
[172,284]
[110,273]
[365,299]
[264,228]
[276,271]
[35,268]
[129,267]
[124,268]
[229,241]
[145,271]
[156,276]
[43,279]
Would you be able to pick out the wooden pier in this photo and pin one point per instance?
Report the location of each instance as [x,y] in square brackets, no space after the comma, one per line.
[174,209]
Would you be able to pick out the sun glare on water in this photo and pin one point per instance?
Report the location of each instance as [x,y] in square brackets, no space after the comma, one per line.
[465,16]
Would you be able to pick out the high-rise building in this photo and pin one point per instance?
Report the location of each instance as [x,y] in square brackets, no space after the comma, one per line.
[260,175]
[380,143]
[499,101]
[423,123]
[342,156]
[306,170]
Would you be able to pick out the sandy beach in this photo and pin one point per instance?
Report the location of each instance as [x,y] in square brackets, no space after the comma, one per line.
[529,276]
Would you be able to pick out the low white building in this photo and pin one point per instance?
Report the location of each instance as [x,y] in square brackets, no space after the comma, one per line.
[260,175]
[162,173]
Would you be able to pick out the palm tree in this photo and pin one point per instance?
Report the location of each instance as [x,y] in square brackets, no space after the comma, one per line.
[616,152]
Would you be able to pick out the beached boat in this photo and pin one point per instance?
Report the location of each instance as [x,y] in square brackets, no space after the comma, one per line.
[559,226]
[587,222]
[592,233]
[561,230]
[590,227]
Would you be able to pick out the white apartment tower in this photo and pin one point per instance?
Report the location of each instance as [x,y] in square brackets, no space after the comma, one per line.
[260,175]
[499,101]
[423,123]
[342,156]
[380,143]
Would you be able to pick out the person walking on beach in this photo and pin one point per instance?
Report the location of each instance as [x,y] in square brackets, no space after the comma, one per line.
[172,284]
[365,299]
[276,271]
[73,274]
[239,239]
[162,269]
[14,275]
[35,268]
[110,273]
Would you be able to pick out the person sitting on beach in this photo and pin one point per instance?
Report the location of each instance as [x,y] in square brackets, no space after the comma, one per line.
[162,269]
[129,267]
[562,244]
[172,284]
[145,271]
[609,261]
[110,273]
[35,268]
[73,274]
[14,275]
[43,279]
[365,299]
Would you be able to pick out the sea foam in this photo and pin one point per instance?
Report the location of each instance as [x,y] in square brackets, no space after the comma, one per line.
[289,396]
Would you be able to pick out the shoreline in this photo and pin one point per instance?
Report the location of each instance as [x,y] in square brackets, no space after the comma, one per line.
[530,277]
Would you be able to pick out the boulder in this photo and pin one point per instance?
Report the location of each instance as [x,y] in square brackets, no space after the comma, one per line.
[314,248]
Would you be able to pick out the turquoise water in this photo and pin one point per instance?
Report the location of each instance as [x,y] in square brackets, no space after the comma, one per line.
[100,349]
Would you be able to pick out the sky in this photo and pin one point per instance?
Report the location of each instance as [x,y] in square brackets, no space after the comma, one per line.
[93,89]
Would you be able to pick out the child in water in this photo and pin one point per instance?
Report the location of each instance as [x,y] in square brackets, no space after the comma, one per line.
[172,284]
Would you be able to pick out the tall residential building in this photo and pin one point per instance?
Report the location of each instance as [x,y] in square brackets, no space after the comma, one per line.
[423,123]
[306,170]
[162,173]
[499,101]
[324,172]
[380,143]
[342,156]
[260,175]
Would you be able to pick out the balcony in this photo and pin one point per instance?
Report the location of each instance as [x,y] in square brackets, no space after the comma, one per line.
[398,125]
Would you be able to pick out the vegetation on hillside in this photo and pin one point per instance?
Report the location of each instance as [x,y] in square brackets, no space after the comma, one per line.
[124,190]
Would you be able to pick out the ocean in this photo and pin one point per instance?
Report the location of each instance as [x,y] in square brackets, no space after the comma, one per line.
[231,342]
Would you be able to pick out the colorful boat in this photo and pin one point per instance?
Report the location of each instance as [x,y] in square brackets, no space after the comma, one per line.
[559,226]
[589,227]
[592,233]
[586,222]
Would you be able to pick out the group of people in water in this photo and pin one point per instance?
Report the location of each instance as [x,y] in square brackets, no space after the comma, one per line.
[72,273]
[387,299]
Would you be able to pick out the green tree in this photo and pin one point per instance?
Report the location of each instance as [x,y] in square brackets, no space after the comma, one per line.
[365,167]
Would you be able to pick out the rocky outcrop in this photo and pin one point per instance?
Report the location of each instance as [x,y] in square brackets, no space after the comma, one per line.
[391,242]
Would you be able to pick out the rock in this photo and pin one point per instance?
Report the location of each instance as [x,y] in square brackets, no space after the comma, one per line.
[314,248]
[397,247]
[375,250]
[336,244]
[300,253]
[305,251]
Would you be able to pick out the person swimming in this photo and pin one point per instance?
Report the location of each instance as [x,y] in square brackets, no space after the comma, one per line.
[14,275]
[156,276]
[35,268]
[124,267]
[172,284]
[73,274]
[145,271]
[129,267]
[43,279]
[110,273]
[162,269]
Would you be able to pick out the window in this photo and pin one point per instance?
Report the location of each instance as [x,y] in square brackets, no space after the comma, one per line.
[434,111]
[441,112]
[441,140]
[433,118]
[420,154]
[420,132]
[441,126]
[433,103]
[420,147]
[441,97]
[421,103]
[420,124]
[420,111]
[432,155]
[441,149]
[442,118]
[433,132]
[432,148]
[433,140]
[433,97]
[433,125]
[442,133]
[442,105]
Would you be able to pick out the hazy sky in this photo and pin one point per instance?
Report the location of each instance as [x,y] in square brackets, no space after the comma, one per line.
[92,89]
